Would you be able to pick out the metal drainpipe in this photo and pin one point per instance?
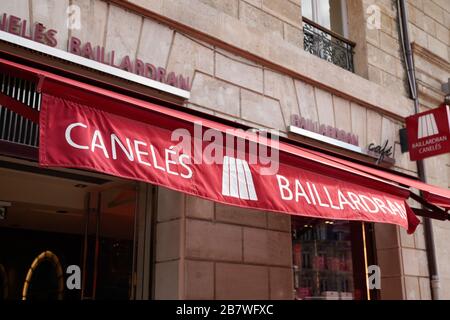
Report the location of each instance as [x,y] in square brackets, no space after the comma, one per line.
[428,226]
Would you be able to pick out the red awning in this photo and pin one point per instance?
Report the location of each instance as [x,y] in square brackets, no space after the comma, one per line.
[334,173]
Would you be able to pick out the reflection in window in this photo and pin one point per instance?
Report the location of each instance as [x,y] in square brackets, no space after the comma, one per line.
[324,32]
[327,13]
[322,254]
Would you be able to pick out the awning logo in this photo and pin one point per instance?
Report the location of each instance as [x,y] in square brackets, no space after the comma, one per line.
[427,126]
[237,181]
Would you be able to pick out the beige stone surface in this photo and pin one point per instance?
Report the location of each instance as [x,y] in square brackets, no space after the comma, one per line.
[389,131]
[388,24]
[391,288]
[258,19]
[226,244]
[374,126]
[445,287]
[293,34]
[284,9]
[380,59]
[375,74]
[402,161]
[199,280]
[282,88]
[255,3]
[442,236]
[199,208]
[393,82]
[262,110]
[414,262]
[430,69]
[390,44]
[444,4]
[416,3]
[279,221]
[230,7]
[373,36]
[325,109]
[18,8]
[342,114]
[412,288]
[281,283]
[389,262]
[267,247]
[166,280]
[439,48]
[306,100]
[168,240]
[443,34]
[406,240]
[419,238]
[429,25]
[215,94]
[240,73]
[170,204]
[52,14]
[154,44]
[359,120]
[434,11]
[419,36]
[124,41]
[416,16]
[241,282]
[236,215]
[93,21]
[425,290]
[187,56]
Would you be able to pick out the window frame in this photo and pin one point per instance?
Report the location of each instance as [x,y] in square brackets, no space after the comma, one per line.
[344,15]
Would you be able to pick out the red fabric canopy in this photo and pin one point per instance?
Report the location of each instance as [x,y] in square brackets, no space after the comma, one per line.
[79,97]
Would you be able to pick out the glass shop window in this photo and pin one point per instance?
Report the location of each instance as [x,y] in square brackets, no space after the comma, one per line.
[329,259]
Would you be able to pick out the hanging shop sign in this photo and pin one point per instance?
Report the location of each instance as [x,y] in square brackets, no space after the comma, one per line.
[49,37]
[429,133]
[209,164]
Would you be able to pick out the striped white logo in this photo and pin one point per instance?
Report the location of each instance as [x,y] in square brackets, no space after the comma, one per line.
[427,126]
[237,181]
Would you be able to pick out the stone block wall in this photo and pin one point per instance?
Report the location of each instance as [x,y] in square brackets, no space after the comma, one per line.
[282,17]
[207,250]
[384,55]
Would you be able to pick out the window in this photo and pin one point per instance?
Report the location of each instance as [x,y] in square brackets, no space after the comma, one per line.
[330,14]
[325,29]
[328,259]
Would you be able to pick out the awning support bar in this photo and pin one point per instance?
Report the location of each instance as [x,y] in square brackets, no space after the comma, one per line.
[434,211]
[430,214]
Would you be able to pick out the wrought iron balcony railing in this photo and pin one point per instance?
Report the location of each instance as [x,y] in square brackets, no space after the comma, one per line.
[328,45]
[13,127]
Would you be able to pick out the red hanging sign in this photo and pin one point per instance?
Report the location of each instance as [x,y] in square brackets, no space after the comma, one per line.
[429,133]
[80,136]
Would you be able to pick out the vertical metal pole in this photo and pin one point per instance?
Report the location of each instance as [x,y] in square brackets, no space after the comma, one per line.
[366,264]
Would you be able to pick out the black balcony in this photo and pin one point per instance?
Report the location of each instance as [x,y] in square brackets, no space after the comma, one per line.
[328,45]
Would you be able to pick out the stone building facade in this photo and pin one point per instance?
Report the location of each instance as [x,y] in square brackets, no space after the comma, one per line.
[246,63]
